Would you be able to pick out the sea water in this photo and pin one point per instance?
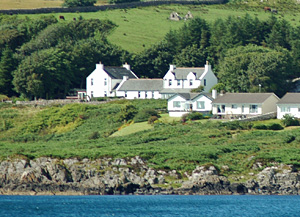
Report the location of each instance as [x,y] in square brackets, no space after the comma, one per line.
[171,205]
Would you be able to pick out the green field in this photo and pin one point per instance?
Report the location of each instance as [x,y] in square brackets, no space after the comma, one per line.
[139,28]
[81,131]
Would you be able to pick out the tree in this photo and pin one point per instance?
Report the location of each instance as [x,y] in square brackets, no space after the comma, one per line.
[7,66]
[191,56]
[78,3]
[198,89]
[243,69]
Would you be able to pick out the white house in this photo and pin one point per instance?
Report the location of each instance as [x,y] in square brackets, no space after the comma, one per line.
[182,80]
[289,104]
[182,103]
[104,81]
[140,88]
[244,104]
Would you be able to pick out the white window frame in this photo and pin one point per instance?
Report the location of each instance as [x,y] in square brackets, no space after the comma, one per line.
[200,104]
[253,108]
[176,104]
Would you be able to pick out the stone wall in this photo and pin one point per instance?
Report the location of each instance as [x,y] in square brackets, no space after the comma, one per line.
[105,7]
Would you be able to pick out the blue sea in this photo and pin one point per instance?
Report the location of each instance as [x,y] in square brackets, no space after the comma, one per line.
[150,206]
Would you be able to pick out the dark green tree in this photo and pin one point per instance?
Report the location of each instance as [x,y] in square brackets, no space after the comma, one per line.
[7,66]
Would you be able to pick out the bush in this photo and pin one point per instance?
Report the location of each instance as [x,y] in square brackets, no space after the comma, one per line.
[275,126]
[237,125]
[289,138]
[152,119]
[260,127]
[79,3]
[144,115]
[194,116]
[94,135]
[122,1]
[127,112]
[289,120]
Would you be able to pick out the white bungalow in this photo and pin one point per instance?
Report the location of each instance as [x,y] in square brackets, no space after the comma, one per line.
[182,103]
[289,104]
[244,104]
[140,88]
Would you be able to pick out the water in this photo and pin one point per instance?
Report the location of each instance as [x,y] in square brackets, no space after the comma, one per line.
[261,206]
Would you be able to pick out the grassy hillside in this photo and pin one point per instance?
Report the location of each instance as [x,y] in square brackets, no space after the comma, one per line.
[139,28]
[85,131]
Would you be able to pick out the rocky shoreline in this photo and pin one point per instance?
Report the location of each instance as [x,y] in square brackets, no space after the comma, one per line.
[106,176]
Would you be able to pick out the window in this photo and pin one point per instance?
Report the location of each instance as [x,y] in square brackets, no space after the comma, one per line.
[170,82]
[253,109]
[105,81]
[152,94]
[92,81]
[92,94]
[146,95]
[139,94]
[201,105]
[125,93]
[221,108]
[243,108]
[176,104]
[204,82]
[286,109]
[191,82]
[178,82]
[234,106]
[105,94]
[298,109]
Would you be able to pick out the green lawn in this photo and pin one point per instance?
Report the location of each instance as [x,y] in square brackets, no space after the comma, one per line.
[139,28]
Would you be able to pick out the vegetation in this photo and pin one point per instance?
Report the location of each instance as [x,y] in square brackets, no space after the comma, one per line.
[81,131]
[289,120]
[79,3]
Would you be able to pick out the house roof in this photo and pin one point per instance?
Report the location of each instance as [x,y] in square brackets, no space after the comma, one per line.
[181,73]
[118,72]
[175,90]
[191,96]
[243,98]
[142,85]
[290,98]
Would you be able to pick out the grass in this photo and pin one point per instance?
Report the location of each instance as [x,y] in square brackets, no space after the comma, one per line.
[139,28]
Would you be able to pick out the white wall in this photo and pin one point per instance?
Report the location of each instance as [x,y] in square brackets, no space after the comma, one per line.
[236,111]
[207,103]
[135,94]
[210,78]
[294,110]
[176,99]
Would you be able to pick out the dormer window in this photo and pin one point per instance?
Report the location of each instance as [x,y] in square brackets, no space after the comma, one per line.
[105,81]
[92,81]
[170,82]
[191,82]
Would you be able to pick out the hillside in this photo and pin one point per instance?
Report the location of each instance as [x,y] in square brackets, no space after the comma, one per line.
[140,28]
[83,131]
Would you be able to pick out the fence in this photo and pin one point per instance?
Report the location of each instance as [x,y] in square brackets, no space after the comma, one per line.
[105,7]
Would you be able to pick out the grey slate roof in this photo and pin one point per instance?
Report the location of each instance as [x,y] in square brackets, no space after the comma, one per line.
[290,98]
[118,72]
[243,98]
[142,85]
[191,96]
[181,73]
[175,90]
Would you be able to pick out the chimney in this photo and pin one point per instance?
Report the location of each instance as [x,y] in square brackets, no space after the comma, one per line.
[172,67]
[126,66]
[207,66]
[99,65]
[214,93]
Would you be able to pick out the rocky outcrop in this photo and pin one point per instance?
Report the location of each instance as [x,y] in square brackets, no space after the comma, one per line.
[133,176]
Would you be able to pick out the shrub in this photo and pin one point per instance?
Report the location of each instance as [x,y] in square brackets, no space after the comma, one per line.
[194,116]
[145,114]
[260,127]
[289,120]
[94,135]
[79,3]
[275,126]
[127,112]
[152,119]
[289,138]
